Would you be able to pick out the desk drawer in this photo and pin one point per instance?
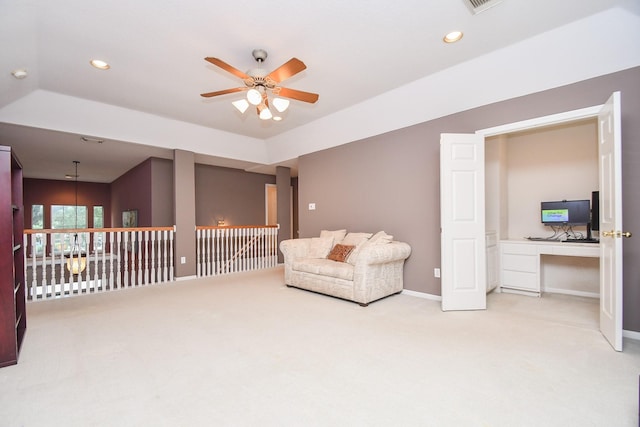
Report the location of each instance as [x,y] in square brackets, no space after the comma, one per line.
[516,262]
[519,280]
[584,251]
[518,248]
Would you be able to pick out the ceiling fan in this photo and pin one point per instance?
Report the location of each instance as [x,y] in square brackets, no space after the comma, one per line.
[258,83]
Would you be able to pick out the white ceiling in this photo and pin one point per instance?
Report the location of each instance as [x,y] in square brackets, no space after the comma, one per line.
[148,103]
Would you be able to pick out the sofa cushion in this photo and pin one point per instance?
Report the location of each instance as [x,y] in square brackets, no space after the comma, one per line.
[324,267]
[357,240]
[340,252]
[337,235]
[320,247]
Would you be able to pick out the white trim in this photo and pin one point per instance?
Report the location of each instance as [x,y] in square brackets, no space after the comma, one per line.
[632,335]
[553,119]
[181,278]
[421,295]
[595,295]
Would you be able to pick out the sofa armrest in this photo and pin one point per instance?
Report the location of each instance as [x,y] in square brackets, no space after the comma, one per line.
[378,271]
[383,253]
[295,248]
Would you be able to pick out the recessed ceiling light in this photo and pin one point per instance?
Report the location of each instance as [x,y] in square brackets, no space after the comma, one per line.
[453,37]
[100,64]
[19,74]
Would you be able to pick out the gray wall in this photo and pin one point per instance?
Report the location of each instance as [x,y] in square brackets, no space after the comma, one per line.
[232,194]
[184,196]
[391,182]
[147,187]
[131,192]
[161,193]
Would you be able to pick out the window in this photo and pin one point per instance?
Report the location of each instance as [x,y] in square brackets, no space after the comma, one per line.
[68,217]
[64,216]
[98,222]
[37,223]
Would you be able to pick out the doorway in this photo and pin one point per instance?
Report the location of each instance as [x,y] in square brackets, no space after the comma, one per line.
[463,214]
[271,205]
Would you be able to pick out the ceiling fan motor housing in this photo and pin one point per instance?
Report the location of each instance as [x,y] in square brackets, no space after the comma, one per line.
[259,54]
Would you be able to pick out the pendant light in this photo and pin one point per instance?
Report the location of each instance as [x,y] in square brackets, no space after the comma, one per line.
[77,261]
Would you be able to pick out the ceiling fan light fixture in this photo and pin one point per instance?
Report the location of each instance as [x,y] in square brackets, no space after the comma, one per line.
[265,114]
[241,105]
[254,97]
[280,104]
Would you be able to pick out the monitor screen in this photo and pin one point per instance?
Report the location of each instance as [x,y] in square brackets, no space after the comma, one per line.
[570,212]
[555,215]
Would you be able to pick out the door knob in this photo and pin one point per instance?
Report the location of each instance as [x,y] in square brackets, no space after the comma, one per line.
[612,233]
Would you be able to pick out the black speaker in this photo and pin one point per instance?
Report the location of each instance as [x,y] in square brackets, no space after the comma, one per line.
[595,210]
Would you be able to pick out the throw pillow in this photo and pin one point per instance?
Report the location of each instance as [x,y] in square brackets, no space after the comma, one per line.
[340,252]
[337,235]
[357,240]
[320,247]
[380,238]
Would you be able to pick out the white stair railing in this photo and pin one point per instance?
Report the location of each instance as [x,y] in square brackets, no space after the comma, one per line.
[230,249]
[115,258]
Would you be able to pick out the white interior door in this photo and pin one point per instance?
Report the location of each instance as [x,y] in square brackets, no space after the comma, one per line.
[462,219]
[609,151]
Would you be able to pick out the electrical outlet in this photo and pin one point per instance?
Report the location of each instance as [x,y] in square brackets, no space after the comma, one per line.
[312,206]
[436,272]
[183,260]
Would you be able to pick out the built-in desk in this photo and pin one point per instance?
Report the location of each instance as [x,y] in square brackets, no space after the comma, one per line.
[520,261]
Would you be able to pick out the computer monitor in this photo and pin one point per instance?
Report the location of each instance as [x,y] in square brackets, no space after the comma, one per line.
[566,212]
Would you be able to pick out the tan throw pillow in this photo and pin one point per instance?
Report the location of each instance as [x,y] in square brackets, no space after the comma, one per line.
[337,235]
[340,252]
[320,247]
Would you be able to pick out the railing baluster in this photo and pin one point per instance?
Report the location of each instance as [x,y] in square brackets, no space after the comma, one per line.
[171,255]
[152,278]
[165,270]
[217,266]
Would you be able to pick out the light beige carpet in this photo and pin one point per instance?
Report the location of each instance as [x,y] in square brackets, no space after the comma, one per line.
[244,350]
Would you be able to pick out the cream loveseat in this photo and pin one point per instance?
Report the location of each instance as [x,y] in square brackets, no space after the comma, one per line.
[359,267]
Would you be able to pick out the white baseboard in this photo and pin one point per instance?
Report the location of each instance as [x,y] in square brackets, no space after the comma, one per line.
[570,292]
[633,335]
[422,295]
[181,278]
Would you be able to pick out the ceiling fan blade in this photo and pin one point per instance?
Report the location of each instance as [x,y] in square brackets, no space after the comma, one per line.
[286,70]
[298,95]
[223,92]
[227,67]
